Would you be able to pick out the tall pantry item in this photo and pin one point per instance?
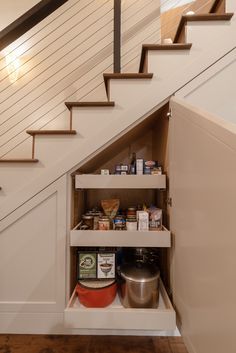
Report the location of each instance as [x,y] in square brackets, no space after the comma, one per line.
[139,286]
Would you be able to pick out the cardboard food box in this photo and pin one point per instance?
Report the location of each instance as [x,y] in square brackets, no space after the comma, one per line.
[87,265]
[96,264]
[106,265]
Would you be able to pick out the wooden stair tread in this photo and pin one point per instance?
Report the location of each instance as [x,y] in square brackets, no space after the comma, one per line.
[114,76]
[200,17]
[19,160]
[174,46]
[51,132]
[123,76]
[70,105]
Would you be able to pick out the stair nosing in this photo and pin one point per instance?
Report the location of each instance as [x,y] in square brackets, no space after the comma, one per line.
[70,105]
[19,160]
[51,132]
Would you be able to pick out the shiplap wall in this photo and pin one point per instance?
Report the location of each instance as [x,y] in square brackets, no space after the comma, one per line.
[140,24]
[63,59]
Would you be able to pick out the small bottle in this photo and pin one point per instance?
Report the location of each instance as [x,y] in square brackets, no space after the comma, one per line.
[133,164]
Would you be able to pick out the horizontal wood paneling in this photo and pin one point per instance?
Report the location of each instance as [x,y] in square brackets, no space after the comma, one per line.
[140,24]
[63,59]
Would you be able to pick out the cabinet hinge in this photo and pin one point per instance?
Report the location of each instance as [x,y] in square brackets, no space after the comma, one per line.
[169,201]
[169,114]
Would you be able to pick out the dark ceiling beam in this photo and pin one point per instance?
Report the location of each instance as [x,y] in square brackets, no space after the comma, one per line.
[28,20]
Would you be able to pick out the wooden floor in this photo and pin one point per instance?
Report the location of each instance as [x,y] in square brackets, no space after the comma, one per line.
[90,344]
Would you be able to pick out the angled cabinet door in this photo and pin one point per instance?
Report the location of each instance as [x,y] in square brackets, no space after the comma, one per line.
[202,154]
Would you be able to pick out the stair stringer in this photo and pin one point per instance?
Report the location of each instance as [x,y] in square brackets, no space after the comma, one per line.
[130,108]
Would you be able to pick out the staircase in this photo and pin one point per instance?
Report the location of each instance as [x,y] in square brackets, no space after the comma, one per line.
[131,97]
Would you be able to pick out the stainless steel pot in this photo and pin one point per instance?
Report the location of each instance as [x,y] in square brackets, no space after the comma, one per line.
[139,287]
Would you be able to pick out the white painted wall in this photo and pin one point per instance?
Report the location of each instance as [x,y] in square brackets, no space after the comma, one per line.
[215,91]
[10,10]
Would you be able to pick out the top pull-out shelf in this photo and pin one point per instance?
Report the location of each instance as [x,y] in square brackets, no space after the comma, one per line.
[93,181]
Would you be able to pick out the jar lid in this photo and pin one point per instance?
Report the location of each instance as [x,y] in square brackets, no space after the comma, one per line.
[139,272]
[104,218]
[86,216]
[96,284]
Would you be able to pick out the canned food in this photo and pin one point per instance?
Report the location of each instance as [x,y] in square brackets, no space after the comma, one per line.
[124,168]
[118,168]
[104,223]
[119,223]
[131,224]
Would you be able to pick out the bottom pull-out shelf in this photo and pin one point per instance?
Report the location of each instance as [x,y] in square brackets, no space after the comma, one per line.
[115,316]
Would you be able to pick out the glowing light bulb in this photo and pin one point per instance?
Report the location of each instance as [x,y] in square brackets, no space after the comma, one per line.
[189,13]
[13,66]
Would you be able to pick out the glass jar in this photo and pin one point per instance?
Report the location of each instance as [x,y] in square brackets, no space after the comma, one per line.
[88,221]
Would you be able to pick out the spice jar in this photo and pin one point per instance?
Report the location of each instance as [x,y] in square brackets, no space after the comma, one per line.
[104,223]
[119,223]
[131,212]
[131,224]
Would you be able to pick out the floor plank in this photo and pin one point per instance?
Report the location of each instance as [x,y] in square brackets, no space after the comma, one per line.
[177,345]
[90,344]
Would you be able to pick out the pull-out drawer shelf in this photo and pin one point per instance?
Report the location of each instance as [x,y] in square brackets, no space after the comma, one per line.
[160,238]
[93,181]
[115,316]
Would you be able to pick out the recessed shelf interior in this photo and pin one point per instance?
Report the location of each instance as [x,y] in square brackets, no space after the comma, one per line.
[149,141]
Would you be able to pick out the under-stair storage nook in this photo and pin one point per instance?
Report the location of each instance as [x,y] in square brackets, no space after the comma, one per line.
[148,141]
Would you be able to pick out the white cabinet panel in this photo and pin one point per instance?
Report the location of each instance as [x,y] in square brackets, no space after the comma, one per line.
[203,191]
[32,254]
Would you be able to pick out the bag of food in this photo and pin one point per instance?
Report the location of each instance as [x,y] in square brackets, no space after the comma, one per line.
[155,218]
[110,207]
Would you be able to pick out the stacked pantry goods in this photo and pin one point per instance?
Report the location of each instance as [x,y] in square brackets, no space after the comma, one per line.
[112,217]
[132,272]
[137,166]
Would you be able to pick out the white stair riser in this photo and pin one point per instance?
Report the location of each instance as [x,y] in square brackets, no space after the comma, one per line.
[230,5]
[203,33]
[164,62]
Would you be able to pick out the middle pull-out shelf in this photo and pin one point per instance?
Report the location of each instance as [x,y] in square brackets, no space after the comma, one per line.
[158,238]
[115,316]
[93,181]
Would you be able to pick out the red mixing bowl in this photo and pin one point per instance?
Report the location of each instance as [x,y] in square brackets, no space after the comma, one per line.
[96,294]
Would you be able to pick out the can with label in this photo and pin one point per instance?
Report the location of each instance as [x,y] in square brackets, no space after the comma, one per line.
[104,223]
